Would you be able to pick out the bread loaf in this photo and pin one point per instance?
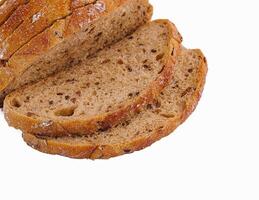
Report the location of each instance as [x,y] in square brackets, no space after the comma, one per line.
[59,34]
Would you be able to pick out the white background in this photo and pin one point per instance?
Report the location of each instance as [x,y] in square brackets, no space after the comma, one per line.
[214,155]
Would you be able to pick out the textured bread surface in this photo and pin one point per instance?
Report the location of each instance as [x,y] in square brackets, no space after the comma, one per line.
[101,91]
[41,38]
[159,119]
[7,7]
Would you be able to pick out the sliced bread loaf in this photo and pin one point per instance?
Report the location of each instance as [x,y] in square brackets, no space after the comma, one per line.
[101,91]
[171,109]
[60,34]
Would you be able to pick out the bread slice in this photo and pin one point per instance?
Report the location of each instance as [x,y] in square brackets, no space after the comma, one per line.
[44,44]
[171,109]
[101,91]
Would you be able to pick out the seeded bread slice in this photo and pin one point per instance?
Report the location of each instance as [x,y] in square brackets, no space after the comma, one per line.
[101,91]
[171,109]
[28,55]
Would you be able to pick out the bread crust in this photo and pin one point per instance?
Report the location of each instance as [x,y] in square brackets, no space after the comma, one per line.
[18,16]
[7,7]
[105,151]
[52,128]
[34,25]
[72,19]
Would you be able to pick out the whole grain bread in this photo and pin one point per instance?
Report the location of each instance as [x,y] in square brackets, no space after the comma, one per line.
[41,39]
[159,119]
[99,92]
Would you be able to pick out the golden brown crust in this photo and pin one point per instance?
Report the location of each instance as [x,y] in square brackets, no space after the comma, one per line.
[34,25]
[6,77]
[104,121]
[8,7]
[18,16]
[93,151]
[81,3]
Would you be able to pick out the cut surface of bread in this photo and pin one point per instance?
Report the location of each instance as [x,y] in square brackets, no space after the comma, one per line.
[159,119]
[48,41]
[101,91]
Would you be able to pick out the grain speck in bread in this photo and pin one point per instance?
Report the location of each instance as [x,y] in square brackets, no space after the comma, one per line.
[100,91]
[62,38]
[172,108]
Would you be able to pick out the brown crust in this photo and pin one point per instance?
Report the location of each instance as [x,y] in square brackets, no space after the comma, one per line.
[31,27]
[41,43]
[48,127]
[92,151]
[81,3]
[6,77]
[18,16]
[8,7]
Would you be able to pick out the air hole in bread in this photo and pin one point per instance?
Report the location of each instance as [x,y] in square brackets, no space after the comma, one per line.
[185,92]
[130,95]
[27,99]
[153,50]
[60,93]
[167,115]
[129,68]
[78,93]
[98,35]
[67,97]
[30,114]
[66,112]
[159,56]
[149,106]
[161,70]
[16,103]
[120,62]
[106,61]
[73,100]
[89,72]
[158,104]
[160,128]
[91,30]
[190,70]
[172,53]
[147,67]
